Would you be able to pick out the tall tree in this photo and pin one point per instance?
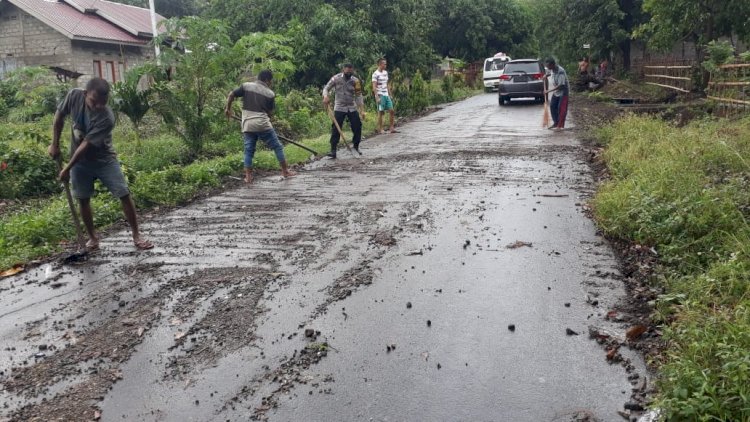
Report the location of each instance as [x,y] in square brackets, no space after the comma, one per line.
[203,66]
[563,27]
[473,30]
[699,21]
[330,38]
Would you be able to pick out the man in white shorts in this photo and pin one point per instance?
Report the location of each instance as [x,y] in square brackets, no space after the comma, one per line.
[381,89]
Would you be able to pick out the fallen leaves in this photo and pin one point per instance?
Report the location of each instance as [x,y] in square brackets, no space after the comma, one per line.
[518,244]
[12,271]
[635,331]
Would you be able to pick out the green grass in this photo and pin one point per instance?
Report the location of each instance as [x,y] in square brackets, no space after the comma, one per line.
[686,192]
[152,154]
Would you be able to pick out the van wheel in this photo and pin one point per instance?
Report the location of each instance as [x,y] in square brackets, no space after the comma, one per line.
[502,100]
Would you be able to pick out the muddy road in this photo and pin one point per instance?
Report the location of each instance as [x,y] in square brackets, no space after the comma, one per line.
[450,274]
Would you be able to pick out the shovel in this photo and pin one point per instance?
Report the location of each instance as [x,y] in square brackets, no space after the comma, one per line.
[82,252]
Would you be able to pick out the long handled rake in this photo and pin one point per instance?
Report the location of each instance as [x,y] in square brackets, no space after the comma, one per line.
[82,252]
[545,116]
[285,139]
[341,132]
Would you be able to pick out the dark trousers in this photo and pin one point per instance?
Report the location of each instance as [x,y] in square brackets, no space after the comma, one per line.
[559,110]
[355,124]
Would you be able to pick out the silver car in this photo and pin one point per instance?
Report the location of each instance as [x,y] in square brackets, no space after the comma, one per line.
[521,79]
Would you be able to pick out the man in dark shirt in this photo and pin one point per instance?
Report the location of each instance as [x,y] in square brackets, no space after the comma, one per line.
[258,103]
[92,155]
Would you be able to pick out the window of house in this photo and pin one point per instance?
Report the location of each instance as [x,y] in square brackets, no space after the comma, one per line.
[109,72]
[97,69]
[105,70]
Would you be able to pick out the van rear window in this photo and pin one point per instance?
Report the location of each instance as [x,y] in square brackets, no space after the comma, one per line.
[531,67]
[496,64]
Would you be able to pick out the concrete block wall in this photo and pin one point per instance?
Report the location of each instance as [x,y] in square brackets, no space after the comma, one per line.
[31,42]
[85,53]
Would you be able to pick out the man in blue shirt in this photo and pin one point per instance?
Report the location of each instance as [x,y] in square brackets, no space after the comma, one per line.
[560,90]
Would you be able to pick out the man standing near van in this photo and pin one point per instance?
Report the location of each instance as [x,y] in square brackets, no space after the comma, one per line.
[348,104]
[92,155]
[258,103]
[559,103]
[381,90]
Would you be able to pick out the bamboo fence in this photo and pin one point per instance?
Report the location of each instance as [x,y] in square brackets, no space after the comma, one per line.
[729,86]
[670,74]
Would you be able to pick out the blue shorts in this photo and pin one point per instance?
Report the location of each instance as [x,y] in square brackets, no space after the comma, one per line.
[385,103]
[83,174]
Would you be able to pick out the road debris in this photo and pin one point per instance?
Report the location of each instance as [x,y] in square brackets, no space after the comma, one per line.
[635,331]
[12,271]
[518,244]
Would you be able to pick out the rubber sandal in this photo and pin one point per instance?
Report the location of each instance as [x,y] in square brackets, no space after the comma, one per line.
[143,245]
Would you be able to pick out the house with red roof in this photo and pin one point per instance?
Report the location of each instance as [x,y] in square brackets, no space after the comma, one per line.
[78,39]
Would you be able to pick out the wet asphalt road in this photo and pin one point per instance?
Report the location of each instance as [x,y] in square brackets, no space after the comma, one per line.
[210,325]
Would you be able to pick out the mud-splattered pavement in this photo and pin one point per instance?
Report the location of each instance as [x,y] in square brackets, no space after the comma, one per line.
[449,274]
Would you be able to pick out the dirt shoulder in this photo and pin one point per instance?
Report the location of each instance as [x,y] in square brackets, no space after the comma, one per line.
[637,263]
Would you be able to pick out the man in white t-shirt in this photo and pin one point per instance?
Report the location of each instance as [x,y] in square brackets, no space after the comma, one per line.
[381,89]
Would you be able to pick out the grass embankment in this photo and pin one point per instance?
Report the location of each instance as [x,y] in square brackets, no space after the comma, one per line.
[159,169]
[686,191]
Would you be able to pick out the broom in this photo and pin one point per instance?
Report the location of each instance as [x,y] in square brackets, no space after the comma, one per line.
[545,116]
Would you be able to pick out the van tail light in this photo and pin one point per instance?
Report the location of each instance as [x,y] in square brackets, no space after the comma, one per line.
[537,76]
[505,77]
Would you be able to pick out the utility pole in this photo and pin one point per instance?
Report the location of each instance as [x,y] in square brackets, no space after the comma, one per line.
[153,29]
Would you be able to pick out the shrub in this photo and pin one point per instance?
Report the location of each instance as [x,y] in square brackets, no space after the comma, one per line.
[447,87]
[31,92]
[418,93]
[25,168]
[153,154]
[719,53]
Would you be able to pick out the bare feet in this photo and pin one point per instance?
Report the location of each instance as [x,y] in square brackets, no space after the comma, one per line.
[288,173]
[393,130]
[92,244]
[248,178]
[142,244]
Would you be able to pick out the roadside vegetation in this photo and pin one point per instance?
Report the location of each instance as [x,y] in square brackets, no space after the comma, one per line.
[686,193]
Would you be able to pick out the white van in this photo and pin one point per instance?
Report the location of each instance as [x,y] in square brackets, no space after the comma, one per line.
[493,68]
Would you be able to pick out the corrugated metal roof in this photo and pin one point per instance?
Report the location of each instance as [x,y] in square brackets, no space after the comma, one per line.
[106,25]
[135,20]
